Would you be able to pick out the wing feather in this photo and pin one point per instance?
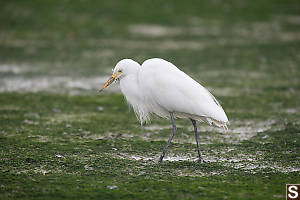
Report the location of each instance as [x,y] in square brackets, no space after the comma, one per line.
[167,88]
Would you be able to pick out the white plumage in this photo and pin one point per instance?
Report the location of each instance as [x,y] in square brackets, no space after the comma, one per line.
[159,87]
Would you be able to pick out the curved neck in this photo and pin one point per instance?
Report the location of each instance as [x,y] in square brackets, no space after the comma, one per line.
[130,87]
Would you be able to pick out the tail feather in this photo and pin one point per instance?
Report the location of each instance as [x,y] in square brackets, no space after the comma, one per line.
[218,123]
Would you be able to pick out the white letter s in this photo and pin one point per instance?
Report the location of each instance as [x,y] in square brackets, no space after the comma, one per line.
[293,189]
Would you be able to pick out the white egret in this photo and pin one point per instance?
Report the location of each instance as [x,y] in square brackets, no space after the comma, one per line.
[159,87]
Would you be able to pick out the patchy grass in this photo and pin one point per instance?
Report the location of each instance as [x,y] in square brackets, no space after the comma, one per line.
[63,146]
[60,140]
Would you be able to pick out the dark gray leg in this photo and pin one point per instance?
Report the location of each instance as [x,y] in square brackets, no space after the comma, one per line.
[197,141]
[170,138]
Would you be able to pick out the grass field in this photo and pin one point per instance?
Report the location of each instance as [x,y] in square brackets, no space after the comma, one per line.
[61,140]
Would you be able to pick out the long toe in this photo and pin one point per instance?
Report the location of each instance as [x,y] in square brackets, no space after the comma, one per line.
[200,160]
[160,160]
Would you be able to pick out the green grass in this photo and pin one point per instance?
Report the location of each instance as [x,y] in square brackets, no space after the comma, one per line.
[43,156]
[56,143]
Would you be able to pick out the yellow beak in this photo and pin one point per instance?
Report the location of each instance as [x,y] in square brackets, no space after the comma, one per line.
[110,80]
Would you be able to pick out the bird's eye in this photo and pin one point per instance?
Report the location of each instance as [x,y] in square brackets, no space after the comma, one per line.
[119,70]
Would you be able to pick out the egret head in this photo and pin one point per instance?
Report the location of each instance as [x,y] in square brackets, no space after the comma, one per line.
[122,69]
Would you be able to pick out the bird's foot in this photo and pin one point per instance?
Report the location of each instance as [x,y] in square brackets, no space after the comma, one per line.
[200,160]
[160,160]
